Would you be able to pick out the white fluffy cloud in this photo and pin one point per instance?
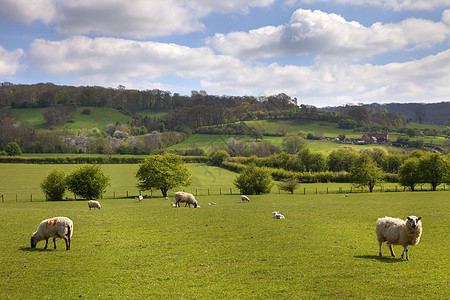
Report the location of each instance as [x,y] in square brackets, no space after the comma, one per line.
[10,61]
[329,35]
[388,4]
[126,18]
[111,61]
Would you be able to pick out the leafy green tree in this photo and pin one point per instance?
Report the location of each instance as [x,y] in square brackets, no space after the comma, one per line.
[313,161]
[13,149]
[88,181]
[434,169]
[365,172]
[408,174]
[218,157]
[341,160]
[253,180]
[164,172]
[288,186]
[292,144]
[54,185]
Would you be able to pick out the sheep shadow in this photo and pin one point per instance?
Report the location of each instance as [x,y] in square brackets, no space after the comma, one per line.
[383,259]
[29,249]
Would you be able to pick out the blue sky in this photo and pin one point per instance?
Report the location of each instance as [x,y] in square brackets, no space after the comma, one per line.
[321,52]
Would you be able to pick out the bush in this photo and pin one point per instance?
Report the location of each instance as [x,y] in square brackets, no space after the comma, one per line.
[88,181]
[254,181]
[54,185]
[288,186]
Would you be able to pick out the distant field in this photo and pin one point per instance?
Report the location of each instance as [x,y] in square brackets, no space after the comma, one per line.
[294,126]
[325,249]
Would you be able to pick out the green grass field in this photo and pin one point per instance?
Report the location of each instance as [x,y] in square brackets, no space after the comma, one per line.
[325,249]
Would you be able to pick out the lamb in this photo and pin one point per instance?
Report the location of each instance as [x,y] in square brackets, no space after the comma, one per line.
[140,198]
[94,204]
[277,215]
[395,231]
[185,197]
[245,199]
[59,227]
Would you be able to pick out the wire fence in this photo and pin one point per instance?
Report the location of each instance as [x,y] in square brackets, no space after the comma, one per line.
[303,189]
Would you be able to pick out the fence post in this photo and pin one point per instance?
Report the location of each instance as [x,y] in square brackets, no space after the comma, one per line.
[220,191]
[114,197]
[304,191]
[31,197]
[208,192]
[16,198]
[3,200]
[127,194]
[231,192]
[395,188]
[316,191]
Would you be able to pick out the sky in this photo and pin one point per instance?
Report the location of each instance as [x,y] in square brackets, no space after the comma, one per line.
[321,52]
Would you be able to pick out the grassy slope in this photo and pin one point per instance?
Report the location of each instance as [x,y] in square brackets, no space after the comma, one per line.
[325,248]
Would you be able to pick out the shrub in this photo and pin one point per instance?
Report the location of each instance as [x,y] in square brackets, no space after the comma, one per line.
[254,181]
[54,185]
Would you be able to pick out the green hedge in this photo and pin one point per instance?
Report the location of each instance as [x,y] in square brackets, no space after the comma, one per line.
[90,160]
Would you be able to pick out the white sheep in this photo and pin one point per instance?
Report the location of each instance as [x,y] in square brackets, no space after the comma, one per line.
[167,198]
[94,204]
[173,204]
[277,215]
[245,198]
[395,231]
[185,197]
[59,227]
[140,198]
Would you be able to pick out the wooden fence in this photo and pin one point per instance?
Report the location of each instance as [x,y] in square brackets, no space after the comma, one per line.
[304,189]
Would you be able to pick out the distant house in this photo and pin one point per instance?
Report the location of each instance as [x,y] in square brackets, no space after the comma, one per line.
[376,138]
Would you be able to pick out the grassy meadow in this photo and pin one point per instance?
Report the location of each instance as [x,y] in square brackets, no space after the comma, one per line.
[325,248]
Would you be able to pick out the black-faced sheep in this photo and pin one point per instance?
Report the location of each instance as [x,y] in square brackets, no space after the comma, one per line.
[94,204]
[185,197]
[59,227]
[395,231]
[245,198]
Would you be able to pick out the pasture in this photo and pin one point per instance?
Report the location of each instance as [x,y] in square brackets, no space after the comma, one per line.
[325,248]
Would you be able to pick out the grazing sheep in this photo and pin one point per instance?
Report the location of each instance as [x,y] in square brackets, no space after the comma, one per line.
[167,198]
[185,197]
[245,199]
[140,198]
[395,231]
[173,204]
[94,204]
[277,215]
[59,227]
[69,199]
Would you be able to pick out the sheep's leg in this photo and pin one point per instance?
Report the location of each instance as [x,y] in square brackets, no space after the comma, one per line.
[54,243]
[379,251]
[46,243]
[405,250]
[67,243]
[392,250]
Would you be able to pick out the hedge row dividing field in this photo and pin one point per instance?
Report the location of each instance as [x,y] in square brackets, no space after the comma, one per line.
[325,248]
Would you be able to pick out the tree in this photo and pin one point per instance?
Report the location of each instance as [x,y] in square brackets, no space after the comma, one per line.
[365,172]
[293,143]
[408,174]
[288,186]
[341,160]
[54,185]
[313,161]
[164,172]
[218,157]
[13,149]
[88,181]
[434,169]
[253,180]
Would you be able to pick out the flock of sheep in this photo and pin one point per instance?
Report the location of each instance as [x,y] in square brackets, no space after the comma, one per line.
[393,231]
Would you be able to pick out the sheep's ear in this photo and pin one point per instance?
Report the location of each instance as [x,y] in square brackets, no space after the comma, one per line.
[409,219]
[418,219]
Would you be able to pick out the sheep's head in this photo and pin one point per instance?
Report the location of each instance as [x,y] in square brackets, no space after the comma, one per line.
[195,204]
[33,242]
[414,221]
